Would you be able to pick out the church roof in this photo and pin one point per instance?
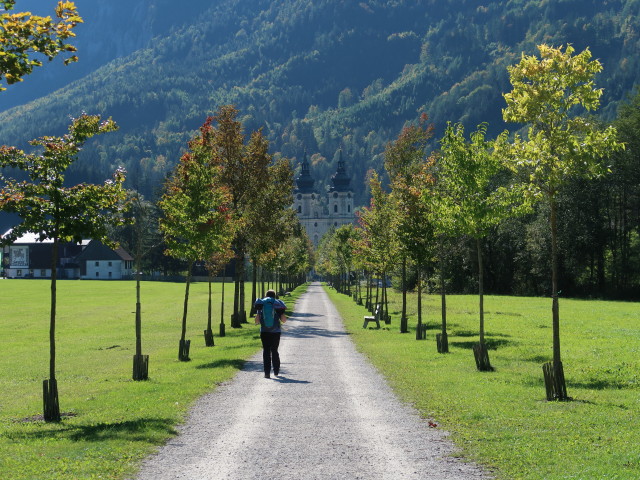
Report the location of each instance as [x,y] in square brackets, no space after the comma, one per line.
[305,181]
[341,181]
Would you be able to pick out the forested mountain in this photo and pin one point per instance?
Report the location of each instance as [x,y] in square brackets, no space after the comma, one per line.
[318,75]
[325,75]
[110,30]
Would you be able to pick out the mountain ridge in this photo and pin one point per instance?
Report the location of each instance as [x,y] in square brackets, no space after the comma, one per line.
[323,76]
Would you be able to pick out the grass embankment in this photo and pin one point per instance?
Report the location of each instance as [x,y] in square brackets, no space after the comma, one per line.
[110,422]
[501,418]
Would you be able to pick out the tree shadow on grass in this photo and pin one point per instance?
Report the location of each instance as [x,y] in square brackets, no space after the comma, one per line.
[138,430]
[602,384]
[510,314]
[491,343]
[474,333]
[431,325]
[142,429]
[464,333]
[235,363]
[537,359]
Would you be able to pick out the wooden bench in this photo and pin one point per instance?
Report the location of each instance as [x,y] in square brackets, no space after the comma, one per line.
[373,318]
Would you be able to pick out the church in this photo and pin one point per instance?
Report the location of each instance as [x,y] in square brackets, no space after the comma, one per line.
[318,212]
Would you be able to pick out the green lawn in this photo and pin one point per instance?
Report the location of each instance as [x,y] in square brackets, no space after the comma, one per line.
[501,419]
[110,422]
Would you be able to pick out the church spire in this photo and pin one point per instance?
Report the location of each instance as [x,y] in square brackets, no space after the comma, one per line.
[341,181]
[305,181]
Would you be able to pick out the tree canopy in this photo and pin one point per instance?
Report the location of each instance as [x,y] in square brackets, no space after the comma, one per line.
[25,39]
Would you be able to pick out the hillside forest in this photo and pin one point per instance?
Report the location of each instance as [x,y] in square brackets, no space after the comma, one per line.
[325,76]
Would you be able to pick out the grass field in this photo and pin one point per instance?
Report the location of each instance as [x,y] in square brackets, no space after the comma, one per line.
[501,418]
[110,422]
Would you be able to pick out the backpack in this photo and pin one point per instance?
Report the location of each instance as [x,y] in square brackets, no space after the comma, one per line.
[268,317]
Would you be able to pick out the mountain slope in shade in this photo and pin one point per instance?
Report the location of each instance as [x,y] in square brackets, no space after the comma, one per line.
[322,76]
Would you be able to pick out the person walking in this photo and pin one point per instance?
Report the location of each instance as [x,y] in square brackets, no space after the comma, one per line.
[270,315]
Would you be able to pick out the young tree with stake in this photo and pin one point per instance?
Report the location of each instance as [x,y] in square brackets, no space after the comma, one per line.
[407,163]
[469,202]
[548,92]
[196,223]
[59,213]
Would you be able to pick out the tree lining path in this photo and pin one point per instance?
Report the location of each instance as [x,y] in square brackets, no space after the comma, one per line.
[329,415]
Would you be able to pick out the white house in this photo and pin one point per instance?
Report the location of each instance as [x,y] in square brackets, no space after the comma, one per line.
[28,257]
[99,262]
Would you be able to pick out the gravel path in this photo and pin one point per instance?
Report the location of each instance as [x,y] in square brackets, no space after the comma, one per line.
[329,415]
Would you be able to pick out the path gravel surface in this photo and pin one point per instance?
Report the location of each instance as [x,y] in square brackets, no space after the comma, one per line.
[330,415]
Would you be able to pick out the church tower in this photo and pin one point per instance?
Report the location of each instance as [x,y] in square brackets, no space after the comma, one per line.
[304,195]
[319,213]
[341,194]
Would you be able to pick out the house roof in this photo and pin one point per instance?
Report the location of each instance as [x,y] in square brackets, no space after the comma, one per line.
[123,254]
[30,238]
[97,250]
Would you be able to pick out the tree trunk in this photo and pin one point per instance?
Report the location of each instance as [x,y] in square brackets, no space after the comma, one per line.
[555,308]
[373,307]
[140,367]
[243,311]
[140,362]
[480,288]
[368,295]
[222,326]
[52,318]
[235,316]
[209,307]
[385,300]
[558,385]
[50,387]
[404,327]
[442,338]
[183,352]
[208,333]
[480,350]
[420,332]
[254,288]
[138,313]
[349,281]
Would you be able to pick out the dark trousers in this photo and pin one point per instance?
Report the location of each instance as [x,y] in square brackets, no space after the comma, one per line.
[270,344]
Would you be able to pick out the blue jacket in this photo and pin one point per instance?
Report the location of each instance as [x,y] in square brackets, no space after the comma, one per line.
[279,307]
